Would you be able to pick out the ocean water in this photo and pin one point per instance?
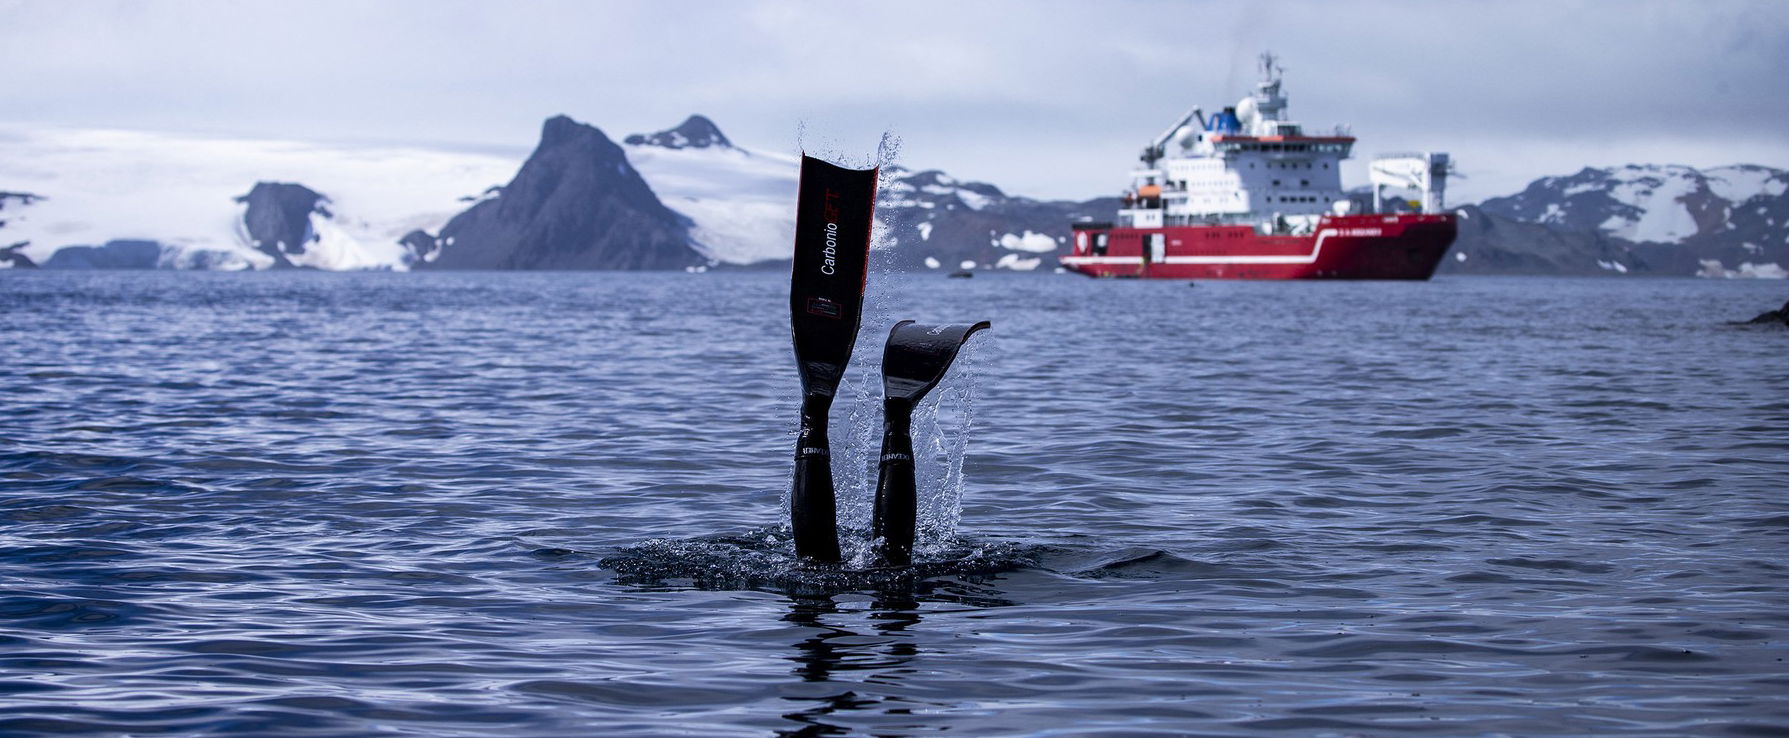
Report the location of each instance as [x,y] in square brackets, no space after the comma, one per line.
[305,504]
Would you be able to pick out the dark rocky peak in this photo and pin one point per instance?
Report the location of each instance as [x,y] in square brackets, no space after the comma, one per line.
[561,130]
[278,218]
[575,204]
[695,132]
[574,160]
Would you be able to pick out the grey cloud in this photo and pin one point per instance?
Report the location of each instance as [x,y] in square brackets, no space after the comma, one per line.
[1044,98]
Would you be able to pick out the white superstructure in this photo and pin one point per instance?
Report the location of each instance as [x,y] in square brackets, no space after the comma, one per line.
[1249,164]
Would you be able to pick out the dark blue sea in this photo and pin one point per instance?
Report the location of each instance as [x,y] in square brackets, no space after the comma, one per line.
[506,504]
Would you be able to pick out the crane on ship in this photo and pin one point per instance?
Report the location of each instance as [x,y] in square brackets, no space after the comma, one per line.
[1425,172]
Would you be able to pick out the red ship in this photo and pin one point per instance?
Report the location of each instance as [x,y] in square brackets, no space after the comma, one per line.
[1247,194]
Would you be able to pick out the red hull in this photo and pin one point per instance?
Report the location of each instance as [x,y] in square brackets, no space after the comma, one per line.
[1342,247]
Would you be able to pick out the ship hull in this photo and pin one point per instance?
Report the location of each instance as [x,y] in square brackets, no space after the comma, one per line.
[1340,247]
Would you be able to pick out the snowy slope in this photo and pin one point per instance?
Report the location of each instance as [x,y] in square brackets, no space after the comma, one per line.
[99,186]
[1649,203]
[1730,221]
[742,202]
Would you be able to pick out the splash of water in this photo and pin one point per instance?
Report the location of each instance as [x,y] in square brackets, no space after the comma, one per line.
[888,149]
[942,423]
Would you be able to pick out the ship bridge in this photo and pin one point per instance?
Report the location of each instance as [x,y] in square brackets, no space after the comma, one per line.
[1246,163]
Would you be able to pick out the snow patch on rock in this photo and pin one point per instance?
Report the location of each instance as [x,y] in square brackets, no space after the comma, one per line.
[1018,263]
[1659,195]
[1738,184]
[974,200]
[335,247]
[1715,269]
[1036,243]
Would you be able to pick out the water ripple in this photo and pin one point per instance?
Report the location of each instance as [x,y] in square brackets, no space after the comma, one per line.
[550,504]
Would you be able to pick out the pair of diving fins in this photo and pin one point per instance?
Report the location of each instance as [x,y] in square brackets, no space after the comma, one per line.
[835,210]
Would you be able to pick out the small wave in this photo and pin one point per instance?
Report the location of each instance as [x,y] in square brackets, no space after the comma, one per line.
[1552,565]
[61,613]
[765,560]
[1132,563]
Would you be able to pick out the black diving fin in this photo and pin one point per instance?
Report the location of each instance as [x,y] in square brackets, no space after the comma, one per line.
[913,362]
[834,210]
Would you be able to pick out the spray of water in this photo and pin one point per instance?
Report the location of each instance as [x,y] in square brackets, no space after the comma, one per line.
[854,469]
[941,426]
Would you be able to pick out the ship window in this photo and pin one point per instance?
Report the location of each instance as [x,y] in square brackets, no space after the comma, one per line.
[1326,165]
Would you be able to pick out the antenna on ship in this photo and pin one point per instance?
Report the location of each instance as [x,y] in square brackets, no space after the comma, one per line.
[1270,67]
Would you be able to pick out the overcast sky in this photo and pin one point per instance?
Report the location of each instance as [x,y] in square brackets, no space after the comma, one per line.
[1047,99]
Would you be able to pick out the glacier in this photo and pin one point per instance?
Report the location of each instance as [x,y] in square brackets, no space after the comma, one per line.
[102,186]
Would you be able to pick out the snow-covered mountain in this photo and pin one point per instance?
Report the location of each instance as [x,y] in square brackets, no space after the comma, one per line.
[682,197]
[1649,203]
[106,193]
[688,197]
[939,222]
[695,132]
[740,203]
[1664,219]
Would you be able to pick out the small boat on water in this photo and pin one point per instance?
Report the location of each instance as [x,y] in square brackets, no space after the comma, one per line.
[1247,194]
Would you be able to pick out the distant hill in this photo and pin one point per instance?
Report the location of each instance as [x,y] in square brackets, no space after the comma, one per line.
[688,197]
[935,221]
[1636,219]
[575,204]
[742,204]
[199,202]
